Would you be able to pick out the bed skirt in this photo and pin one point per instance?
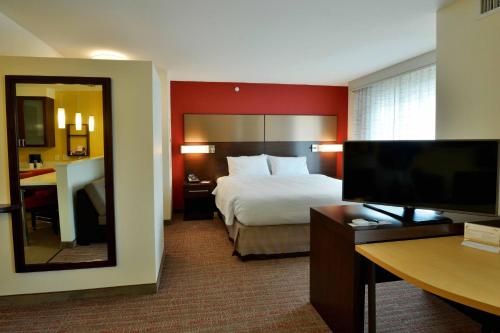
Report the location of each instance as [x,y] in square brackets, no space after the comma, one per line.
[269,239]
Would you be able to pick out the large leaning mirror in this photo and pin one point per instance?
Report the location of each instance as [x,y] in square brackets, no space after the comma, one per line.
[61,172]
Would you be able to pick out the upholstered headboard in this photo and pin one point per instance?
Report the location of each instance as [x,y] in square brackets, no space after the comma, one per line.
[237,135]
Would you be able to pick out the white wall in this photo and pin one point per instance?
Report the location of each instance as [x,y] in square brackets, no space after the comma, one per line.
[167,146]
[35,90]
[468,72]
[412,64]
[70,178]
[158,165]
[17,41]
[134,175]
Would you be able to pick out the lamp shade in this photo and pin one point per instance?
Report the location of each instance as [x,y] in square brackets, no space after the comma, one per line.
[91,123]
[328,148]
[78,121]
[61,118]
[197,149]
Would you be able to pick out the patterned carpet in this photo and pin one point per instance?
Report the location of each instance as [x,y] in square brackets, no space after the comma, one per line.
[205,289]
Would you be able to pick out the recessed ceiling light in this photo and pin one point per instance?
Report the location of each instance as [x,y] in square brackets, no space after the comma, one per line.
[108,55]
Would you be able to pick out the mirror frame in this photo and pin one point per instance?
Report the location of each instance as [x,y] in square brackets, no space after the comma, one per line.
[12,134]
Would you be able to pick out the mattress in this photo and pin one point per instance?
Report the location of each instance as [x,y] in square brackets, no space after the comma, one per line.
[274,200]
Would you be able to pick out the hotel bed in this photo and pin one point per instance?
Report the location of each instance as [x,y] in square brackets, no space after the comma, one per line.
[269,214]
[275,174]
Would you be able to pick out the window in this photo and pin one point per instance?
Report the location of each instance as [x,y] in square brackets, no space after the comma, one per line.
[399,108]
[489,5]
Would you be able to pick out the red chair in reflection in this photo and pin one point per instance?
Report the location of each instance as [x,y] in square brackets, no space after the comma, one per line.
[41,203]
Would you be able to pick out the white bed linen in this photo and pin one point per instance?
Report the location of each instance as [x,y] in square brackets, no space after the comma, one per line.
[272,200]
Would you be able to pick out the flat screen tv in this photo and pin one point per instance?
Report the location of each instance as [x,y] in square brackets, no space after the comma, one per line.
[441,175]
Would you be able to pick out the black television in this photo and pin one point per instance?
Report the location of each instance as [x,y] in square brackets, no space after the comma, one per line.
[442,175]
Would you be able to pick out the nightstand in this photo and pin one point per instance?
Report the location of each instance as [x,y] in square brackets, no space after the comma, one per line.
[199,203]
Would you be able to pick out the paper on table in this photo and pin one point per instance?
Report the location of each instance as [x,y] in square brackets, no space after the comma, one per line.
[369,224]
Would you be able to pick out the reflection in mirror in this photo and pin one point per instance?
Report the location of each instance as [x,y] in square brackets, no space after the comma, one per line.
[62,172]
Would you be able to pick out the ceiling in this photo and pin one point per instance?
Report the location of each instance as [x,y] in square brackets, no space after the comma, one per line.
[281,41]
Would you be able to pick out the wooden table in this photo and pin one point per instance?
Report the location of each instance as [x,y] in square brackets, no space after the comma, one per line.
[338,274]
[443,267]
[40,181]
[44,181]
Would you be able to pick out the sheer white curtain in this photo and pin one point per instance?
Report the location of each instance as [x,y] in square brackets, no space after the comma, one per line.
[399,108]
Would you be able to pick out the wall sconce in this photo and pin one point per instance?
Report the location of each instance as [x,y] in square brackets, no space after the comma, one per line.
[197,149]
[61,118]
[91,123]
[78,121]
[335,148]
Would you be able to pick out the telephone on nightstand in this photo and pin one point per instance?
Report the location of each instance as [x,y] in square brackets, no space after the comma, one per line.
[193,179]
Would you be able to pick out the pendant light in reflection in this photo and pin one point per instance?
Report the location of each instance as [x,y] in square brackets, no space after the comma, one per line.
[78,121]
[91,123]
[61,118]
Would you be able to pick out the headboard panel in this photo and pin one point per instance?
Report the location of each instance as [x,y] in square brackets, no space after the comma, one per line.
[300,128]
[244,135]
[223,128]
[258,128]
[323,163]
[212,166]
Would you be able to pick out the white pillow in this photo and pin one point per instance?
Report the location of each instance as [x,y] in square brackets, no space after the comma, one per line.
[248,165]
[288,165]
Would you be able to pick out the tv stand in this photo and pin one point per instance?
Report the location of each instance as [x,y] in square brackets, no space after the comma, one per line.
[338,273]
[411,216]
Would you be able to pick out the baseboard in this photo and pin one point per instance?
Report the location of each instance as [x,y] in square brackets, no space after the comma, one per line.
[167,222]
[132,290]
[30,299]
[68,245]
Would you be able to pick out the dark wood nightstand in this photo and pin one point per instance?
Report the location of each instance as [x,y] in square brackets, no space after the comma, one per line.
[199,203]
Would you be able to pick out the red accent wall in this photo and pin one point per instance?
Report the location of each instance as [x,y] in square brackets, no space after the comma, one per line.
[253,98]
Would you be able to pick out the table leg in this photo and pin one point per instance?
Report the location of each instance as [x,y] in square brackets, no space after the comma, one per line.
[372,314]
